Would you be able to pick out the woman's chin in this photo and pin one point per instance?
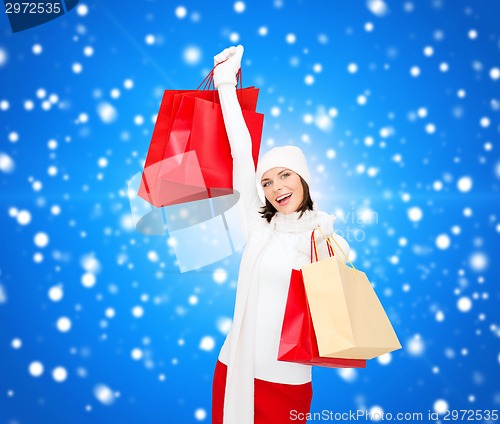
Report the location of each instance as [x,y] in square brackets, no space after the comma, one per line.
[285,210]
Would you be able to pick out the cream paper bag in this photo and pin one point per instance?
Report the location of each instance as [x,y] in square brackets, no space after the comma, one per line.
[348,318]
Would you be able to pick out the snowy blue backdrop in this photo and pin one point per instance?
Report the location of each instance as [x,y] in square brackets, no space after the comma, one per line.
[396,104]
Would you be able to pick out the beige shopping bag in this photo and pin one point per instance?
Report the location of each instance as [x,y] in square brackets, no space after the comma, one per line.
[348,318]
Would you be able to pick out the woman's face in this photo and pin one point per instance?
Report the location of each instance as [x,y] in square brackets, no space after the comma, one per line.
[283,189]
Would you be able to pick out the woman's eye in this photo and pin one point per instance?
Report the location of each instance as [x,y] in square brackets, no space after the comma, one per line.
[286,174]
[266,184]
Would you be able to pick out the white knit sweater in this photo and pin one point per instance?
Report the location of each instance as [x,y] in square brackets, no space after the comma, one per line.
[272,250]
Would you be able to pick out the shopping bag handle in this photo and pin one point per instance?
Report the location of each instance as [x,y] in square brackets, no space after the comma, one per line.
[330,244]
[208,81]
[313,244]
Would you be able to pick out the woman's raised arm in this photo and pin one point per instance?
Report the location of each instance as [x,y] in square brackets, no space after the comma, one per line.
[227,64]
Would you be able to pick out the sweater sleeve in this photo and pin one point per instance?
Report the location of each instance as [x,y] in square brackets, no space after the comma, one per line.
[243,166]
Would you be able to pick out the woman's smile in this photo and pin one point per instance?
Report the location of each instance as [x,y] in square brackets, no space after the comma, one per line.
[284,199]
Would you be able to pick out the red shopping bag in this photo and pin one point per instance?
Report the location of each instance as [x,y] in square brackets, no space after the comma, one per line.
[199,128]
[182,114]
[157,144]
[298,340]
[170,139]
[209,140]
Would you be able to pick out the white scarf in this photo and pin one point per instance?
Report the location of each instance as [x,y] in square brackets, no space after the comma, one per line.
[239,395]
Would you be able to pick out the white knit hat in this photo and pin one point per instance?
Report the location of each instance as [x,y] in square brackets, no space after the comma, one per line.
[290,157]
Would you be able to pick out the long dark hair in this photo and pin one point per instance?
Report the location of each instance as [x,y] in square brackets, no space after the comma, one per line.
[268,211]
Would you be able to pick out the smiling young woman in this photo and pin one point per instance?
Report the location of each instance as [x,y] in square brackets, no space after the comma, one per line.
[250,385]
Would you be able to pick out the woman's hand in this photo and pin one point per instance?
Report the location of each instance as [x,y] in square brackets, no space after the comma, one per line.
[227,63]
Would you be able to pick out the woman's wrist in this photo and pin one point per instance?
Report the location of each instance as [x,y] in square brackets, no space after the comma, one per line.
[224,78]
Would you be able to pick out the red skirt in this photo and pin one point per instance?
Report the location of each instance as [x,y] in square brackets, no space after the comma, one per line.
[274,403]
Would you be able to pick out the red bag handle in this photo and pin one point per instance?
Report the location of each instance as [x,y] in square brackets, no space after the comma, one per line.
[313,243]
[208,82]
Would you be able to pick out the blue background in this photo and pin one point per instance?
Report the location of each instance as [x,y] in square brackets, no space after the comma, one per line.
[430,247]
